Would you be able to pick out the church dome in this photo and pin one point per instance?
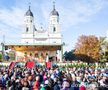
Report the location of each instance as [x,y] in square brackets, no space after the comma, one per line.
[29,13]
[54,12]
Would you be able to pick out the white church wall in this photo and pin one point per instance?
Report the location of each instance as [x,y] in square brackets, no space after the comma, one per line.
[54,41]
[27,35]
[27,41]
[55,35]
[41,42]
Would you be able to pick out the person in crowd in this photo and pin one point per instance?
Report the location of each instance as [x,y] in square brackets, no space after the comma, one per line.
[25,86]
[56,85]
[36,83]
[57,78]
[75,83]
[104,82]
[65,85]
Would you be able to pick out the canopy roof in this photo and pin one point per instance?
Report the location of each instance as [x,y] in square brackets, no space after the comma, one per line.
[33,47]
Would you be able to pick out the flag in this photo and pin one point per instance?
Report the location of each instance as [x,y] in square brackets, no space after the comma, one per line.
[48,64]
[12,64]
[30,64]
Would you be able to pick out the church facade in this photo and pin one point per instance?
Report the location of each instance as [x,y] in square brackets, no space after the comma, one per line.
[39,44]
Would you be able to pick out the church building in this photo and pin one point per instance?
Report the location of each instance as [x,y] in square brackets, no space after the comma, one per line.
[39,44]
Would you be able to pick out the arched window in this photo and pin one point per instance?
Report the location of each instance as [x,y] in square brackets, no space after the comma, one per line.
[54,29]
[58,19]
[27,29]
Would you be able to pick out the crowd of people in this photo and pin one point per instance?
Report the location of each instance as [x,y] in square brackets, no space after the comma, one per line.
[55,78]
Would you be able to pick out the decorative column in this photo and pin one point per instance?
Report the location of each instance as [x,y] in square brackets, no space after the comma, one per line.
[47,58]
[60,54]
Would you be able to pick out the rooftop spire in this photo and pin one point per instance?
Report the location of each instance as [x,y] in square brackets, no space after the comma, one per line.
[54,12]
[54,5]
[29,13]
[29,5]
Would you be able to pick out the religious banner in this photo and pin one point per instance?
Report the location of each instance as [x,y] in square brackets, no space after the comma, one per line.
[30,64]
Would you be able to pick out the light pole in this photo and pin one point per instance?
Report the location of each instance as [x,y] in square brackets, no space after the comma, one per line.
[2,44]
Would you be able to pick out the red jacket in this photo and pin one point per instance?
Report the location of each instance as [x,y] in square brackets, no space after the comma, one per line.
[36,85]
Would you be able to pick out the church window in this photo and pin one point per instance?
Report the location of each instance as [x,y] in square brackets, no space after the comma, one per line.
[27,29]
[58,19]
[54,29]
[31,21]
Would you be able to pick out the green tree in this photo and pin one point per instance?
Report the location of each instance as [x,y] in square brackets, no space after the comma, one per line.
[69,55]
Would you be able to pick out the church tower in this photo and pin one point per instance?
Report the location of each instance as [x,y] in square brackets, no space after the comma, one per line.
[28,32]
[54,32]
[54,21]
[54,28]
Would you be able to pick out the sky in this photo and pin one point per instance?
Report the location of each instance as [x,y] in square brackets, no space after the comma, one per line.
[77,17]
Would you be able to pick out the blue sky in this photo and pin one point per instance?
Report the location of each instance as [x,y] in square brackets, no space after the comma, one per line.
[77,17]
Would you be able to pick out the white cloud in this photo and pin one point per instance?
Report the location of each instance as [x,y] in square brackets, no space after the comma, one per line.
[12,18]
[80,12]
[72,13]
[11,23]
